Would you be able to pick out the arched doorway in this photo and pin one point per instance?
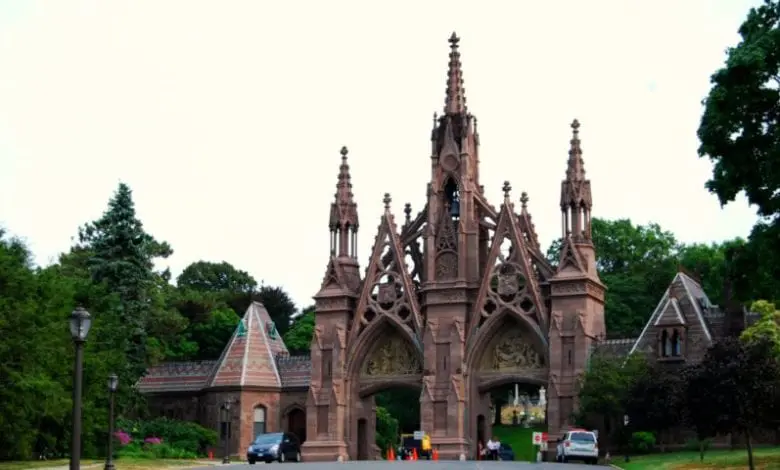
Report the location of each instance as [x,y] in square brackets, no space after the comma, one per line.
[385,394]
[507,371]
[296,422]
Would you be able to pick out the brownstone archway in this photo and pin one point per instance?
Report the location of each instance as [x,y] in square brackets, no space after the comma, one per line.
[508,349]
[385,357]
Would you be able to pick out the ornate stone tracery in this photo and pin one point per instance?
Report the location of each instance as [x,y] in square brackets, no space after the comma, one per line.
[392,357]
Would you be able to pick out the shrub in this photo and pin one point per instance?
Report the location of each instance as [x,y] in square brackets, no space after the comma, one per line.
[154,451]
[696,445]
[183,435]
[642,442]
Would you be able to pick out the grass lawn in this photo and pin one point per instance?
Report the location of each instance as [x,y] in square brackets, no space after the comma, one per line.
[765,459]
[519,438]
[121,464]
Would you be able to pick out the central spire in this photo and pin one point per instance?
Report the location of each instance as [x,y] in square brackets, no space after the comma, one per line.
[455,101]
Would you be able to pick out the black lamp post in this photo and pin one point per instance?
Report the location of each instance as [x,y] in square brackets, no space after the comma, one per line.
[226,420]
[626,422]
[80,321]
[113,382]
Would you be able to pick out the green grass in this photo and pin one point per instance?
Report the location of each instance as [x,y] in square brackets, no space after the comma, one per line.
[23,465]
[519,438]
[121,464]
[765,459]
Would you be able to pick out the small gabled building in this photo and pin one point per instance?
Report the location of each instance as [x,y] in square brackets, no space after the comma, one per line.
[265,386]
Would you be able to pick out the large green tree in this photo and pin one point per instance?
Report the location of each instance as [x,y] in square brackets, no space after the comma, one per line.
[120,256]
[739,133]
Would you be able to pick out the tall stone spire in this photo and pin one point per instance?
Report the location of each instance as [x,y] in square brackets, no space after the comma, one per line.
[576,200]
[343,214]
[455,101]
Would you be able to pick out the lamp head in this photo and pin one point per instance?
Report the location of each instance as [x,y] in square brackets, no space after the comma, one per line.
[113,383]
[80,321]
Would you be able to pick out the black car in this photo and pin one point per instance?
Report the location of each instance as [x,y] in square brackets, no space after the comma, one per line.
[279,446]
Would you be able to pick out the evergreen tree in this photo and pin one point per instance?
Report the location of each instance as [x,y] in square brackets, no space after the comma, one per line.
[122,258]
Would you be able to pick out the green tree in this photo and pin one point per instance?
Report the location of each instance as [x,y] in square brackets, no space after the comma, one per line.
[605,389]
[206,276]
[653,403]
[298,337]
[766,328]
[122,258]
[738,130]
[739,381]
[213,334]
[386,429]
[739,134]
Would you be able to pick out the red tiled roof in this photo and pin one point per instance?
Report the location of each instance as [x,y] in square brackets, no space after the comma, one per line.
[176,377]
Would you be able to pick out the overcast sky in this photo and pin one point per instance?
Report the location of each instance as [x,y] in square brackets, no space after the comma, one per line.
[226,118]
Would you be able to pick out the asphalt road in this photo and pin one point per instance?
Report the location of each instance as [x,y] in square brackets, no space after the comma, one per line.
[440,465]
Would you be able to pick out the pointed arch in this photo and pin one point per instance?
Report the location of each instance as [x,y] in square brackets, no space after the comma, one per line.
[498,322]
[509,280]
[359,351]
[388,290]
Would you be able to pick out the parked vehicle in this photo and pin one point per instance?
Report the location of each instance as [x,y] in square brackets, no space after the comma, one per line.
[578,444]
[505,452]
[279,446]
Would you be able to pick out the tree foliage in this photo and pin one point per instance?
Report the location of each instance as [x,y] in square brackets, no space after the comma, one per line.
[739,127]
[637,263]
[734,389]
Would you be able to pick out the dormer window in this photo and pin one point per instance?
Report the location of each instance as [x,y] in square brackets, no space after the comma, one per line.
[670,343]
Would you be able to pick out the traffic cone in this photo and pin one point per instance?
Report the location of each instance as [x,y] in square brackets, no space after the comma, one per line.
[435,454]
[390,454]
[414,454]
[211,455]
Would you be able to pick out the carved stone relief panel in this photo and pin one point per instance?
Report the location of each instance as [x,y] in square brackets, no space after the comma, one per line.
[512,351]
[391,357]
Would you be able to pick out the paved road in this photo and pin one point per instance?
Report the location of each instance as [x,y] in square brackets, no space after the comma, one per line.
[440,465]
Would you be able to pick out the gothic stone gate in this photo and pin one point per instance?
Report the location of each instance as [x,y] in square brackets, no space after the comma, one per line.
[391,362]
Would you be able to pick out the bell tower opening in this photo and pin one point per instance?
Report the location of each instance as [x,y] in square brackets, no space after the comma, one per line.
[452,199]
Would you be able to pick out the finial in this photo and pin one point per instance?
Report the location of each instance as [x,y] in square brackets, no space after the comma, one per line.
[575,126]
[507,189]
[524,200]
[387,200]
[408,212]
[344,151]
[454,40]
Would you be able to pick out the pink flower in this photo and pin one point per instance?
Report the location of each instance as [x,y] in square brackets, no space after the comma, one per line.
[153,440]
[123,437]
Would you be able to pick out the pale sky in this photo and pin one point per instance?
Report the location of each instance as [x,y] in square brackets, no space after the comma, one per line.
[226,117]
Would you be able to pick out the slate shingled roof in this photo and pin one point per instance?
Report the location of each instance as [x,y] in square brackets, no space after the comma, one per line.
[294,370]
[176,377]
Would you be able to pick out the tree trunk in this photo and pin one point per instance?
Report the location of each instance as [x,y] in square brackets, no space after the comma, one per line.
[749,443]
[701,450]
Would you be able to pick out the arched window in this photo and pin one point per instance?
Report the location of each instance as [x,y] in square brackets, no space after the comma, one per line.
[676,343]
[667,344]
[259,426]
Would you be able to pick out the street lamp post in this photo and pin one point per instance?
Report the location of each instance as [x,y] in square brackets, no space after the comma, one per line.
[626,422]
[113,382]
[226,420]
[80,321]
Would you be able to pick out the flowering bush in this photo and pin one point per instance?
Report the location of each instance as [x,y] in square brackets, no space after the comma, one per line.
[153,441]
[123,437]
[165,436]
